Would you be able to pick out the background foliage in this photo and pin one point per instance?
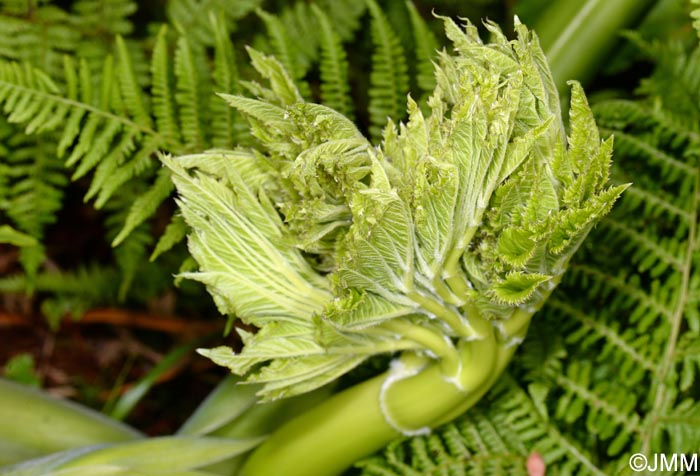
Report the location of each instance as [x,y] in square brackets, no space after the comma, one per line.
[92,89]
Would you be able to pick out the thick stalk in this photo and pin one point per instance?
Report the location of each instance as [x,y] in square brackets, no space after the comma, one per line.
[577,37]
[503,355]
[260,420]
[354,423]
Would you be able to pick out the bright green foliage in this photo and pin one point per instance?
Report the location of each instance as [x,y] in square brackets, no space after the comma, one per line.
[417,238]
[389,76]
[225,78]
[132,256]
[630,337]
[287,50]
[456,223]
[76,95]
[425,47]
[41,34]
[193,17]
[14,237]
[345,15]
[610,365]
[188,94]
[31,189]
[22,369]
[335,89]
[296,34]
[100,122]
[32,179]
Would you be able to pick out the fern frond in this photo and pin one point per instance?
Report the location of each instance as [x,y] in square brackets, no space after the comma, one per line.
[132,254]
[191,17]
[174,233]
[114,171]
[426,46]
[628,312]
[655,205]
[335,89]
[651,253]
[284,48]
[223,118]
[492,440]
[146,205]
[17,238]
[398,16]
[104,16]
[41,38]
[301,26]
[25,89]
[68,293]
[675,83]
[668,166]
[32,185]
[35,193]
[93,282]
[189,95]
[131,93]
[109,127]
[162,88]
[389,76]
[344,15]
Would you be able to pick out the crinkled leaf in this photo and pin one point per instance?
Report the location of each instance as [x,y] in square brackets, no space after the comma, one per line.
[472,206]
[517,287]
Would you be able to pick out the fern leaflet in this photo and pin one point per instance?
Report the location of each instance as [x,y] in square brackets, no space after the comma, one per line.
[389,76]
[335,90]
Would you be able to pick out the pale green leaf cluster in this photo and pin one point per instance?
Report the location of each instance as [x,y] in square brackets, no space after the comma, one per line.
[610,364]
[622,365]
[337,250]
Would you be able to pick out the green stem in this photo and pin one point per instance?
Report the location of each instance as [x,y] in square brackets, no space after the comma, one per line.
[354,423]
[452,268]
[577,37]
[447,314]
[261,420]
[503,355]
[447,294]
[428,338]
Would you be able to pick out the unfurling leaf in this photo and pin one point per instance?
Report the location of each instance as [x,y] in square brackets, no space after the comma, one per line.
[460,219]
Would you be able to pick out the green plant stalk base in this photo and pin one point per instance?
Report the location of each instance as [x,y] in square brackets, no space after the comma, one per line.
[352,424]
